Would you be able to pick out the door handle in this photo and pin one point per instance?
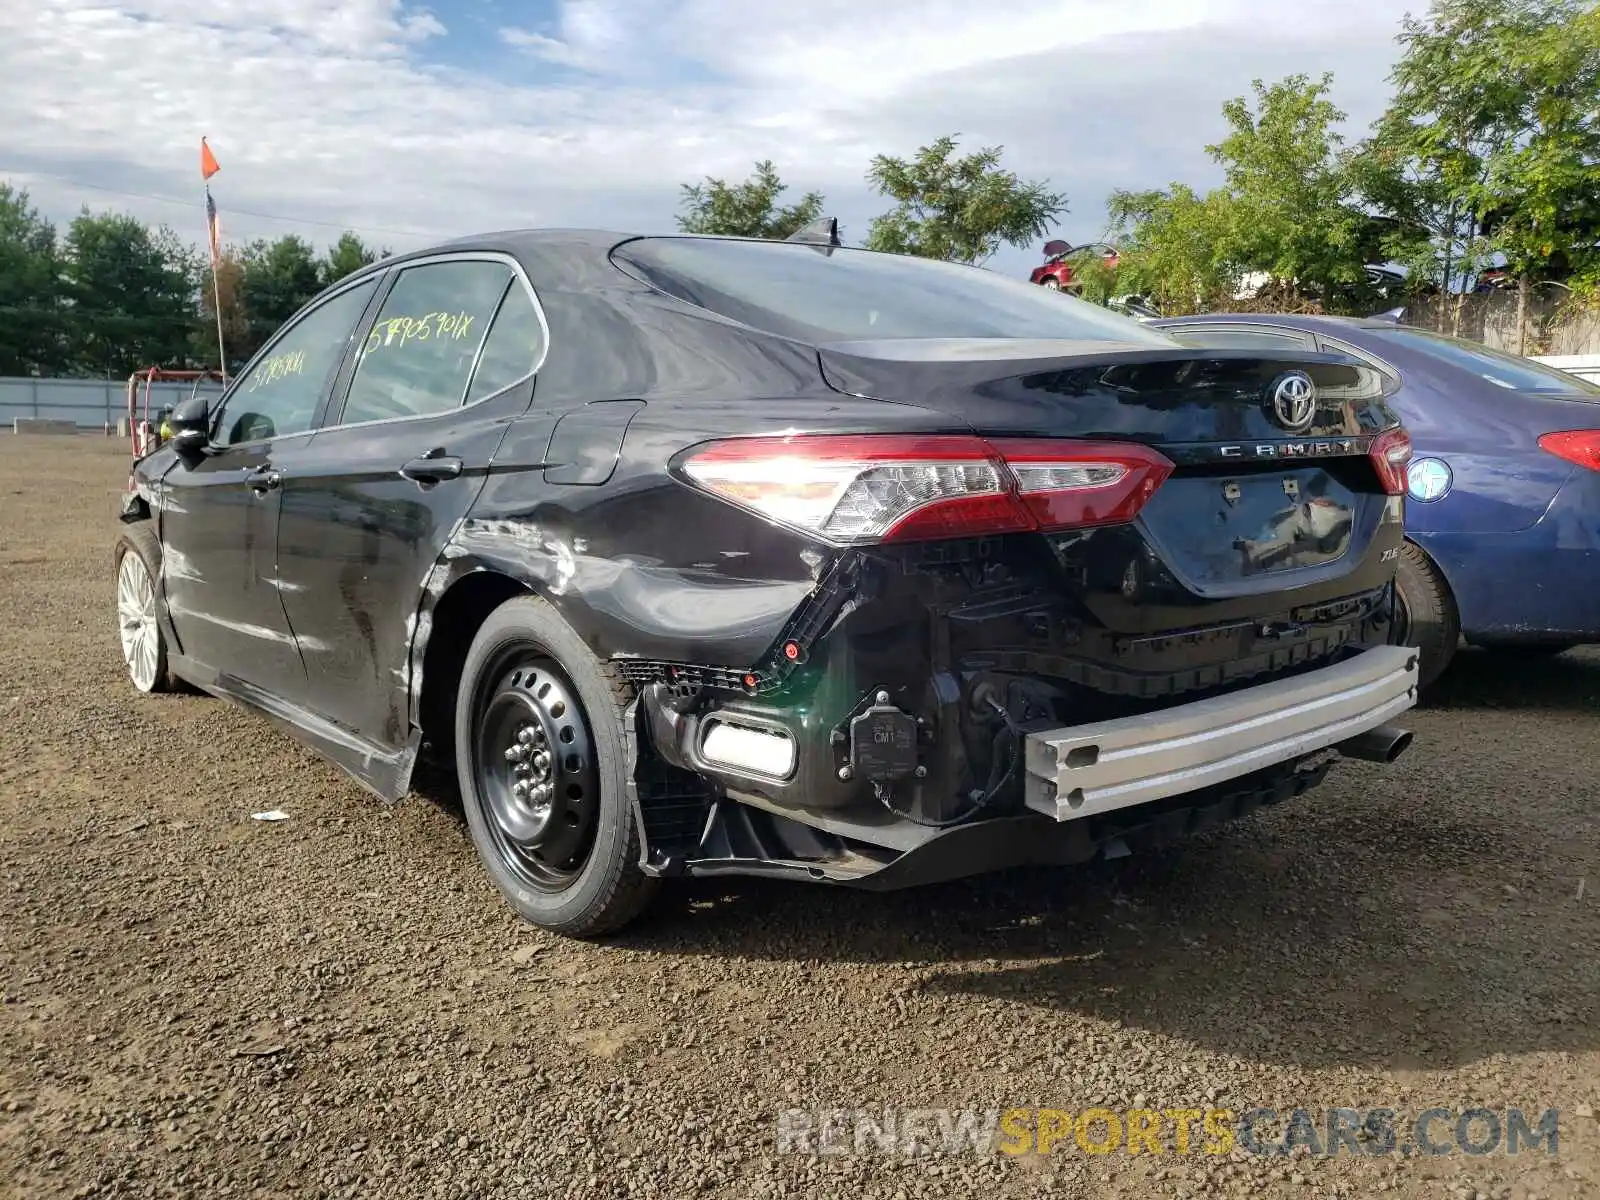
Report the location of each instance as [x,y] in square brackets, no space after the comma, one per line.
[431,468]
[264,479]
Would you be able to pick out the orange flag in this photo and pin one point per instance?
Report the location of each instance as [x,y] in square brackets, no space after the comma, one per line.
[208,161]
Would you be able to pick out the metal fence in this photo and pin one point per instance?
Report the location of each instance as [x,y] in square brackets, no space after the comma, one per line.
[87,403]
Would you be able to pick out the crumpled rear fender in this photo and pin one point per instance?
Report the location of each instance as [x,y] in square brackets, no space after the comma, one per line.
[622,607]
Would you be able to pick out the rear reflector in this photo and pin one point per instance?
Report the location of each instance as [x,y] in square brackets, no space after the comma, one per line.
[854,490]
[1390,451]
[1581,446]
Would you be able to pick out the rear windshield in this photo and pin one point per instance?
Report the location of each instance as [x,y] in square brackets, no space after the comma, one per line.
[812,295]
[1505,370]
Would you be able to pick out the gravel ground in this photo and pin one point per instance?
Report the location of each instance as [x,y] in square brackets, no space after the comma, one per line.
[199,1004]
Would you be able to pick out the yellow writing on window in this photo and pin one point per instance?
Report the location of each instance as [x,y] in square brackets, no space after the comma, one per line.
[279,366]
[402,331]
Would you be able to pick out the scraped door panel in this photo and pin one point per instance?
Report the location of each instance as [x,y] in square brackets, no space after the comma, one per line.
[372,499]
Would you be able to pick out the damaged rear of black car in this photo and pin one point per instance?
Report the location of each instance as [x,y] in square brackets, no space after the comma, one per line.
[792,559]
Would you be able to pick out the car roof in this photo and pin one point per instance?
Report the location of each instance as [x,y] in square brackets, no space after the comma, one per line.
[521,244]
[1287,320]
[558,256]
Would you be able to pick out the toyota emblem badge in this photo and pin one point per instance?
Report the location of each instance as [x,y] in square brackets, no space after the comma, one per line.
[1294,401]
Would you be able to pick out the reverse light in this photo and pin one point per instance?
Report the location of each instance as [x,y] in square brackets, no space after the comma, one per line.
[1581,446]
[888,487]
[1390,451]
[755,751]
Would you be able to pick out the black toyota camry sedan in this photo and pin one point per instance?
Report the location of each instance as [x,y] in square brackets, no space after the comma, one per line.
[699,555]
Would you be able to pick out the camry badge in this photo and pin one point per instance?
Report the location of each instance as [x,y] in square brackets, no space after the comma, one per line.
[1294,401]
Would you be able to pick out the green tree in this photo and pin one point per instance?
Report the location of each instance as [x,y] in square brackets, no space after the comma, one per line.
[1456,104]
[131,295]
[31,335]
[1540,198]
[1288,210]
[279,277]
[346,256]
[236,330]
[748,209]
[960,210]
[1293,211]
[1177,247]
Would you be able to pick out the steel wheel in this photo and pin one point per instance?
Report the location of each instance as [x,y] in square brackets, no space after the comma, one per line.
[136,623]
[533,760]
[544,762]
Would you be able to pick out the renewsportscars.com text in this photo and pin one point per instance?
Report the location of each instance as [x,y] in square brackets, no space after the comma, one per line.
[917,1132]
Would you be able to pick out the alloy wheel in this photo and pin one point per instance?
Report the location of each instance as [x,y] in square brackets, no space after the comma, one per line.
[136,622]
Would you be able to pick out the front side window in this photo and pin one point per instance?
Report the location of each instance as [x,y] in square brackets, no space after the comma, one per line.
[421,350]
[278,395]
[798,291]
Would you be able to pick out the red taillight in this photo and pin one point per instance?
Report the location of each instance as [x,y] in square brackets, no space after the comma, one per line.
[1073,485]
[1581,446]
[1390,451]
[886,487]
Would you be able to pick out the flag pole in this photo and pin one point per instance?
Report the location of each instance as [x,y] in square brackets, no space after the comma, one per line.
[216,292]
[208,168]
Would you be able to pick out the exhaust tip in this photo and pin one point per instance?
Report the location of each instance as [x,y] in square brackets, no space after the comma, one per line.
[1384,744]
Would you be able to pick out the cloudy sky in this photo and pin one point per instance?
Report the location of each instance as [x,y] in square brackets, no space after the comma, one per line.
[415,121]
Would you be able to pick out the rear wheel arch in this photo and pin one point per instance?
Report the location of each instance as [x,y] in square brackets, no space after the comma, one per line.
[452,621]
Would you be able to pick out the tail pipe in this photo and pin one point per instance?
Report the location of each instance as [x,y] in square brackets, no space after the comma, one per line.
[1383,744]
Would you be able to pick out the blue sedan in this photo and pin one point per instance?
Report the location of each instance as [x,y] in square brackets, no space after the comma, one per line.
[1503,512]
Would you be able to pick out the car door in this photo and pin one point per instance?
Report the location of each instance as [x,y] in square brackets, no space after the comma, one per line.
[219,512]
[370,500]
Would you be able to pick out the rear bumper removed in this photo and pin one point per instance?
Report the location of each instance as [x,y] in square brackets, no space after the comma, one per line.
[1103,789]
[1085,770]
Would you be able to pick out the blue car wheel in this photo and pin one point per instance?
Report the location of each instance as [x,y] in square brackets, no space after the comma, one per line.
[1425,613]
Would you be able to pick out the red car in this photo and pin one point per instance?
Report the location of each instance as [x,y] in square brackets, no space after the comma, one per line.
[1056,273]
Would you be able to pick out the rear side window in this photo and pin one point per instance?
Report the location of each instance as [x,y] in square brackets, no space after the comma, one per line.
[1505,370]
[420,352]
[514,346]
[813,295]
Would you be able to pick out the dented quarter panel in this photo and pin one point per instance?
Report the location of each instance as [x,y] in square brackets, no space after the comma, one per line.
[644,567]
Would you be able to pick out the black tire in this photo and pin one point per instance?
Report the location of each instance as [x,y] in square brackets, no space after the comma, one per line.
[1425,614]
[525,668]
[1051,282]
[139,540]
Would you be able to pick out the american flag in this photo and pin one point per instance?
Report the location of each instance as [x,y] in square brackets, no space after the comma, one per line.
[213,230]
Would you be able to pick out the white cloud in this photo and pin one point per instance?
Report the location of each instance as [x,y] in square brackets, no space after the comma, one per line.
[593,35]
[360,112]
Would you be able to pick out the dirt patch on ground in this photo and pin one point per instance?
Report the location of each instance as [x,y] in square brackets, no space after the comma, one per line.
[198,1004]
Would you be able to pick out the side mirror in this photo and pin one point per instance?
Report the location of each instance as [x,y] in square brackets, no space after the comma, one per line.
[191,426]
